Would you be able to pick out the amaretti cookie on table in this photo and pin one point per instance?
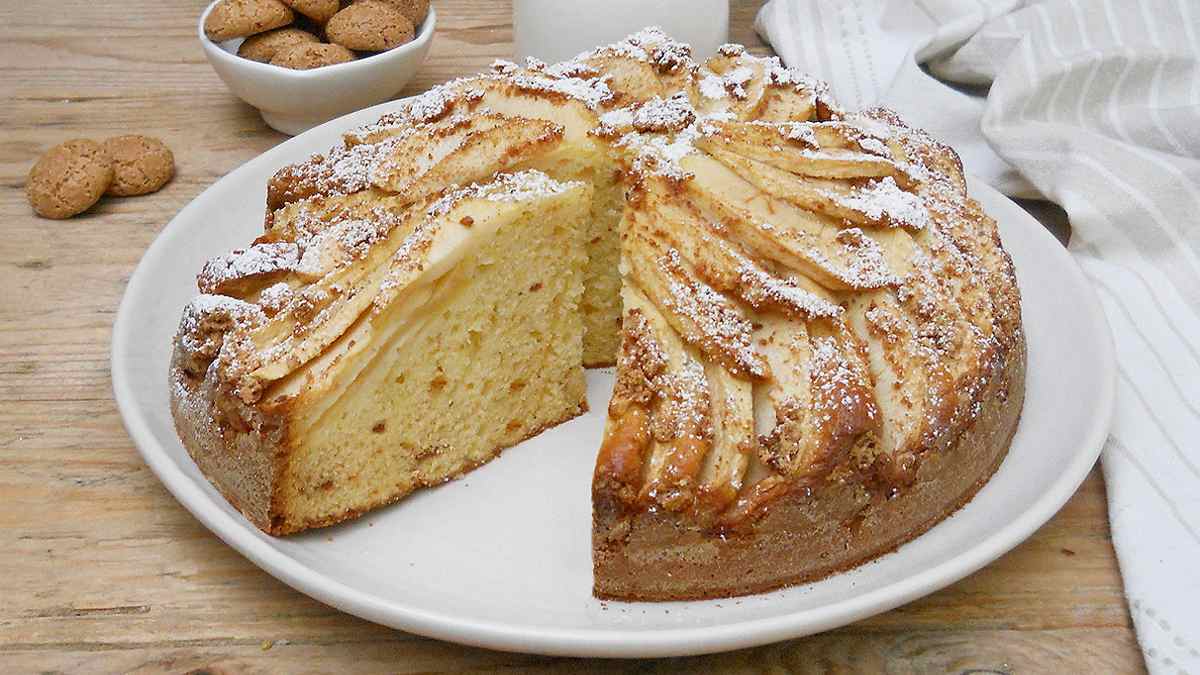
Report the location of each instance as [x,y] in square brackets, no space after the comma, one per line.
[72,176]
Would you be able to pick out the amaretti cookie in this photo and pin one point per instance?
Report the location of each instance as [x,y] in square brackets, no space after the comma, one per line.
[415,10]
[264,46]
[370,25]
[320,11]
[140,164]
[242,18]
[309,56]
[69,179]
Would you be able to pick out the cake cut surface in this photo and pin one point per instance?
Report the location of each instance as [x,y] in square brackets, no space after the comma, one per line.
[816,330]
[306,394]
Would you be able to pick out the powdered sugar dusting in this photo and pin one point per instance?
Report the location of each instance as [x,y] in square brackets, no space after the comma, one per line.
[731,84]
[801,133]
[592,93]
[722,330]
[505,187]
[660,154]
[883,201]
[654,116]
[345,240]
[258,260]
[866,266]
[763,288]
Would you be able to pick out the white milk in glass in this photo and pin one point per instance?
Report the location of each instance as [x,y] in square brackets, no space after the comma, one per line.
[556,30]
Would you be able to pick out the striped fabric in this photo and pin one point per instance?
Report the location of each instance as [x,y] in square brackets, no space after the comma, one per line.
[1095,105]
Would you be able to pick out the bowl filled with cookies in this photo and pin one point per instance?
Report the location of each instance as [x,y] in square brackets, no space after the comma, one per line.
[302,62]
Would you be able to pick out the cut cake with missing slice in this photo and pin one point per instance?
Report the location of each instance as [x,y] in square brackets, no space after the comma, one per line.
[817,331]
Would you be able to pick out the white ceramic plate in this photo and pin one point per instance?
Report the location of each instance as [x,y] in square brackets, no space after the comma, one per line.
[502,558]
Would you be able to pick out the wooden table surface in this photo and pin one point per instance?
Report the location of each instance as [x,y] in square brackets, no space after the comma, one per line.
[102,571]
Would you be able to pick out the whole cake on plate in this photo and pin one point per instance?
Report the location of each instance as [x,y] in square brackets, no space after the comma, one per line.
[816,331]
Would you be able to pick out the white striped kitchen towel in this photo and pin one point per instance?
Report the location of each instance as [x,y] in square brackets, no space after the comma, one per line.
[1094,104]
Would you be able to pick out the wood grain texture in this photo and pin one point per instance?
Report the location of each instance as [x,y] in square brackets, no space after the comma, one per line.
[102,571]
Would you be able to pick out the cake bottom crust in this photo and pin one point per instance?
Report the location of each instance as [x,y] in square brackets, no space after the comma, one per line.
[656,556]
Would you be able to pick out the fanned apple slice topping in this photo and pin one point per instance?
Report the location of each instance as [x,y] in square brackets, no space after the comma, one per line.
[680,423]
[320,312]
[640,361]
[702,316]
[244,271]
[807,149]
[899,373]
[734,440]
[465,154]
[731,85]
[871,202]
[630,80]
[821,393]
[409,156]
[838,259]
[302,220]
[791,96]
[725,267]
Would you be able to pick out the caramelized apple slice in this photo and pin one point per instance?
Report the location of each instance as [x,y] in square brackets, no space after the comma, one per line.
[975,234]
[243,272]
[788,394]
[303,219]
[900,375]
[960,354]
[872,202]
[732,84]
[320,312]
[734,440]
[631,80]
[465,154]
[804,149]
[702,316]
[838,259]
[786,104]
[843,409]
[723,265]
[821,395]
[680,426]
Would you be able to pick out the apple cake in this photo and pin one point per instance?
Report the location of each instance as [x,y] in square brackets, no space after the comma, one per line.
[816,331]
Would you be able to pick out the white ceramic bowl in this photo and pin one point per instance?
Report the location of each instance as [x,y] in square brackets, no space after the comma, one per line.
[292,101]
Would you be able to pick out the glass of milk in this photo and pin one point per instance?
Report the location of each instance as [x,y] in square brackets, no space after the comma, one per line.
[557,30]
